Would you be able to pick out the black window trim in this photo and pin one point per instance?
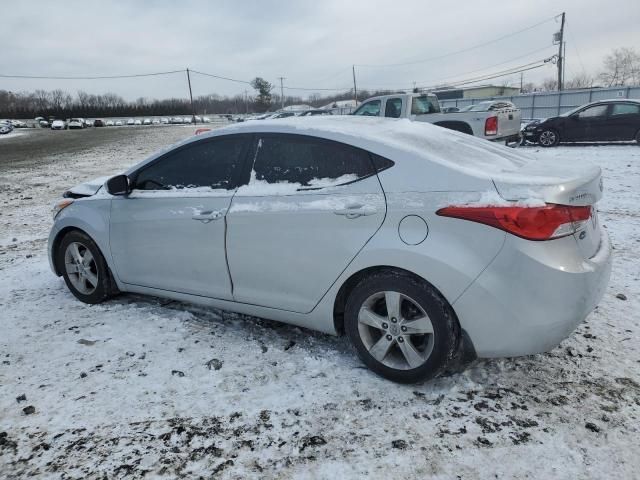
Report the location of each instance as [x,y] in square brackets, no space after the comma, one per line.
[235,182]
[250,158]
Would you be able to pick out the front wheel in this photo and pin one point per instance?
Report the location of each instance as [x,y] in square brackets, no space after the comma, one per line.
[549,138]
[84,269]
[401,327]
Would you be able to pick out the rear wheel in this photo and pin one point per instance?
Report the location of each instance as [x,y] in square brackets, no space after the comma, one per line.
[549,138]
[83,268]
[401,327]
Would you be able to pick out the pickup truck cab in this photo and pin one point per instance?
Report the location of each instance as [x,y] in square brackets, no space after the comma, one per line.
[498,124]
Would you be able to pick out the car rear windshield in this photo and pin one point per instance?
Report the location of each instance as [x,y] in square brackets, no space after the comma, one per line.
[424,104]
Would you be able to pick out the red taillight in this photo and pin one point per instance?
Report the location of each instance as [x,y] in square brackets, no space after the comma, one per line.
[491,126]
[533,223]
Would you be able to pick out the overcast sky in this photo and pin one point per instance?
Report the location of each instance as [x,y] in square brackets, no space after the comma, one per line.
[310,42]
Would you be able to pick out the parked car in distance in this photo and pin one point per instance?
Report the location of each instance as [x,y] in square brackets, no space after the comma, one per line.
[118,123]
[603,121]
[43,124]
[146,121]
[314,112]
[98,122]
[164,121]
[75,123]
[449,109]
[176,120]
[58,125]
[137,122]
[498,125]
[18,124]
[5,127]
[87,123]
[283,115]
[206,120]
[131,121]
[414,284]
[155,121]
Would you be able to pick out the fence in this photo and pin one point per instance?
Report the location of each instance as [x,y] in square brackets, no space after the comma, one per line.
[551,104]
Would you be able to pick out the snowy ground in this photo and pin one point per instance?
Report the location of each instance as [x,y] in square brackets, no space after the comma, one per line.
[136,386]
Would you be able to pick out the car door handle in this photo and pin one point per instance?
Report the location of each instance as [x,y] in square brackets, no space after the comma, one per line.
[355,211]
[208,216]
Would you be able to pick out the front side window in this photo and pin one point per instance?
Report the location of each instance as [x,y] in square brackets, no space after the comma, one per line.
[597,111]
[210,164]
[424,104]
[393,108]
[309,162]
[369,109]
[625,109]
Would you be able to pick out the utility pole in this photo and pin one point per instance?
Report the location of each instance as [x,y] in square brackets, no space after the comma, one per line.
[281,92]
[193,110]
[246,102]
[521,81]
[355,88]
[561,54]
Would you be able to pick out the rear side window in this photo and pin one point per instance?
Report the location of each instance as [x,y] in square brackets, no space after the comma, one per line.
[309,161]
[393,108]
[369,109]
[424,104]
[597,111]
[213,164]
[625,109]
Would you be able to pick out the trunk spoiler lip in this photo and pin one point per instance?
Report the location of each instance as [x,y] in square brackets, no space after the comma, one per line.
[580,188]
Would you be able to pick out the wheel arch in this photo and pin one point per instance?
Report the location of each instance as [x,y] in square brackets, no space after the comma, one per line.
[55,246]
[456,125]
[350,283]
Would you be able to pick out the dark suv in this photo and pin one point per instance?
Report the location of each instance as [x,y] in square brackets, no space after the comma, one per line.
[603,121]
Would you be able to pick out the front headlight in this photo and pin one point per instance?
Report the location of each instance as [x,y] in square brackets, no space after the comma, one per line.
[60,205]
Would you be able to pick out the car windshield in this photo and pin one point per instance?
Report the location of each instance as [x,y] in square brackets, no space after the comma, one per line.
[572,111]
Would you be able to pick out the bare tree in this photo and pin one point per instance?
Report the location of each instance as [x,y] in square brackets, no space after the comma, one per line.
[621,67]
[549,85]
[582,80]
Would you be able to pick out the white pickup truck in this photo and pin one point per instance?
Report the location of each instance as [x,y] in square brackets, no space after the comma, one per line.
[501,123]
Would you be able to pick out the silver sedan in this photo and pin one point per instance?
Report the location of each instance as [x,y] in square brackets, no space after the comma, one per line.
[423,245]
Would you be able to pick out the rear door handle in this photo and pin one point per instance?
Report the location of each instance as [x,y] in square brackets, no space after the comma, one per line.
[208,216]
[355,210]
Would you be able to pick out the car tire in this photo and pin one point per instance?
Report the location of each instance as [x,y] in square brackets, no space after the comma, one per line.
[638,137]
[83,268]
[401,327]
[549,138]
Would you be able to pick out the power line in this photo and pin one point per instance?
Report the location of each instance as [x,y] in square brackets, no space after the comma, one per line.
[221,77]
[481,79]
[95,77]
[457,52]
[494,65]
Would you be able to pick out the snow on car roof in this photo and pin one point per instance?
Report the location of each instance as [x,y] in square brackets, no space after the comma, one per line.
[393,137]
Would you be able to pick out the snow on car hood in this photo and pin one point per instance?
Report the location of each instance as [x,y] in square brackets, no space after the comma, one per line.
[89,188]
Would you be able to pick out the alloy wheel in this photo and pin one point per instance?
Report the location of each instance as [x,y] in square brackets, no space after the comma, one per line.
[395,330]
[548,138]
[81,268]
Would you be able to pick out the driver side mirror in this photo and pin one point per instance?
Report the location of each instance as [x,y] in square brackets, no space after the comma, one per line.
[119,185]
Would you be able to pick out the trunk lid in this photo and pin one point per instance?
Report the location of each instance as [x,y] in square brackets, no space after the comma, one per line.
[550,181]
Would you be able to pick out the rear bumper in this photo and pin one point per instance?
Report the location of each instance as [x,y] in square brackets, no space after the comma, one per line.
[532,296]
